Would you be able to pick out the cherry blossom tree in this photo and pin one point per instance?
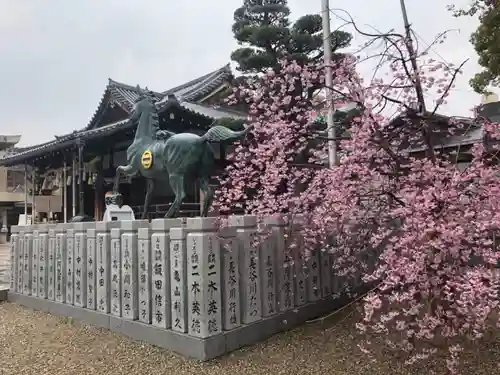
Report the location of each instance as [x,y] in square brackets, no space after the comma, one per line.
[417,221]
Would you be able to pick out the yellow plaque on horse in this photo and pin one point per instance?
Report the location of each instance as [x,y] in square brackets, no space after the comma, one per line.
[147,159]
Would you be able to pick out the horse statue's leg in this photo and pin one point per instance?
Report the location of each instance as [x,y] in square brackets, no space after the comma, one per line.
[208,195]
[147,199]
[177,185]
[127,170]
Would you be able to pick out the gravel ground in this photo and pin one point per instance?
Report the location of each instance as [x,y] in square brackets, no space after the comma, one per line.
[32,342]
[37,343]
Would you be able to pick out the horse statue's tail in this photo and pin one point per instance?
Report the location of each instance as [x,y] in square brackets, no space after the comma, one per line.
[221,134]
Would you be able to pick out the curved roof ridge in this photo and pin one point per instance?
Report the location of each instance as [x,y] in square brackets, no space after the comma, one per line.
[225,69]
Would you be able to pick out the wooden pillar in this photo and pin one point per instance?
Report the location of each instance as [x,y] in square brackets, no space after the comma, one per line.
[73,186]
[26,193]
[65,193]
[33,195]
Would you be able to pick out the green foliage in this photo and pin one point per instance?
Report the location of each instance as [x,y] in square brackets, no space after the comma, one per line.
[263,29]
[486,41]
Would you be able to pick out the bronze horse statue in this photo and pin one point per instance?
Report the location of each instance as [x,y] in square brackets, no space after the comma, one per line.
[179,158]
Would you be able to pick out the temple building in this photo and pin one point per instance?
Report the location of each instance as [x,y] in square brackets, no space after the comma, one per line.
[65,185]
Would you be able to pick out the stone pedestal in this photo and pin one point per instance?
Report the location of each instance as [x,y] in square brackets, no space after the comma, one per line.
[43,256]
[159,287]
[203,278]
[252,258]
[80,263]
[130,268]
[178,279]
[103,264]
[51,264]
[14,255]
[91,262]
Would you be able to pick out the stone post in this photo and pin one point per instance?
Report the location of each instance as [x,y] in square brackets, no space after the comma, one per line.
[299,268]
[27,259]
[159,270]
[51,264]
[252,259]
[43,256]
[20,259]
[60,263]
[116,274]
[144,277]
[14,255]
[80,263]
[130,268]
[34,261]
[326,272]
[70,264]
[284,262]
[204,277]
[178,281]
[230,249]
[313,276]
[91,261]
[103,264]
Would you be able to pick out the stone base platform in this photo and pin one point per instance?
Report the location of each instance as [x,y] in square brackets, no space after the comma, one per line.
[183,344]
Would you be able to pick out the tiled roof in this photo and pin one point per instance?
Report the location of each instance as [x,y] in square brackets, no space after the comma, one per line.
[195,89]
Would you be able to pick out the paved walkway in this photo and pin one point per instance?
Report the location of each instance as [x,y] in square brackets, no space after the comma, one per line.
[4,266]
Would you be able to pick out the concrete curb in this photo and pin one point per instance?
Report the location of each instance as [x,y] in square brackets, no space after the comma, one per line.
[188,346]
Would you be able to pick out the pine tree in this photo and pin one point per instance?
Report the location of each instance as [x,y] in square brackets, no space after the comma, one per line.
[263,29]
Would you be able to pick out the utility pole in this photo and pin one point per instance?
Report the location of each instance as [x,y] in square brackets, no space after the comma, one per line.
[327,45]
[413,59]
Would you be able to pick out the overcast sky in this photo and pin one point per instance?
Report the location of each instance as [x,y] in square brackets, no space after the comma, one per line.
[56,55]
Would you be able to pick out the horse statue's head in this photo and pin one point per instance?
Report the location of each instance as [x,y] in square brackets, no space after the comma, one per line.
[146,102]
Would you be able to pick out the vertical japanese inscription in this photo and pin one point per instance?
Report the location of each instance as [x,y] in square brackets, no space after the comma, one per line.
[51,269]
[250,270]
[231,277]
[326,273]
[268,265]
[129,276]
[102,272]
[14,249]
[27,260]
[70,266]
[204,295]
[116,269]
[60,266]
[313,275]
[80,269]
[20,262]
[160,280]
[91,270]
[194,293]
[178,285]
[34,264]
[42,265]
[300,278]
[144,260]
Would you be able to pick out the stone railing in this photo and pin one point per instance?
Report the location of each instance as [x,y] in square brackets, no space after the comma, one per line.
[179,285]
